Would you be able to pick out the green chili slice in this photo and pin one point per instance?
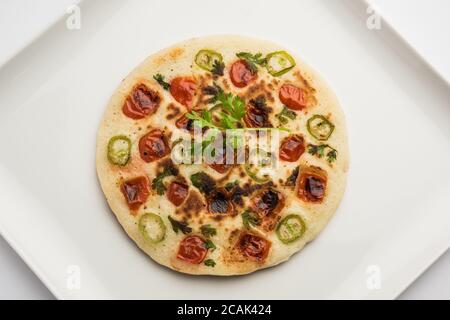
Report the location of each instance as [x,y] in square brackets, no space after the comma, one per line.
[152,227]
[291,228]
[320,127]
[263,161]
[119,150]
[205,59]
[279,62]
[254,175]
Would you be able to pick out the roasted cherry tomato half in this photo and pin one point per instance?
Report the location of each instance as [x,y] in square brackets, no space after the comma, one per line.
[183,90]
[177,192]
[241,74]
[153,146]
[192,249]
[135,191]
[292,97]
[218,202]
[312,183]
[141,102]
[292,148]
[254,246]
[267,202]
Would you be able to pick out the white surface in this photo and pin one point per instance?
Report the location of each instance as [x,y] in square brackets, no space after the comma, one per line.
[435,287]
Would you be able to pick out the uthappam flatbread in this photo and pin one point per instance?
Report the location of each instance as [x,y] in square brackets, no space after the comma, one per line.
[224,217]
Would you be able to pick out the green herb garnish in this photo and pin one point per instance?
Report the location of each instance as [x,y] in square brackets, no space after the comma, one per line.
[157,182]
[210,263]
[209,244]
[180,225]
[208,231]
[253,60]
[285,115]
[160,79]
[231,185]
[323,150]
[232,106]
[203,182]
[290,181]
[217,68]
[248,218]
[232,111]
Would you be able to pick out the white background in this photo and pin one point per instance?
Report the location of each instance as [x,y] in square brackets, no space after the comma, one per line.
[423,23]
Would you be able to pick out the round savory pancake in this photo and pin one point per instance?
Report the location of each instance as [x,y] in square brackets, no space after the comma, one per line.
[222,217]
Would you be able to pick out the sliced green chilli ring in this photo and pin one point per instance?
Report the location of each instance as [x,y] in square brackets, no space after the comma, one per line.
[254,175]
[205,59]
[119,150]
[291,228]
[279,62]
[152,227]
[320,127]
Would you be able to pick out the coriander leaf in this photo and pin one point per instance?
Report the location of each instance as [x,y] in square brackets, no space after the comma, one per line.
[233,109]
[331,155]
[179,225]
[290,181]
[217,68]
[249,219]
[319,151]
[231,185]
[208,231]
[209,263]
[158,185]
[160,79]
[157,182]
[285,115]
[203,120]
[209,244]
[203,182]
[253,60]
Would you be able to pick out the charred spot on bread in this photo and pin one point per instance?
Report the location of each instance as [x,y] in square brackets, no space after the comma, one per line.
[174,111]
[192,206]
[257,114]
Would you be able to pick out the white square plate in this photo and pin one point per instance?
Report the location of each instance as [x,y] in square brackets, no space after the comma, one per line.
[394,218]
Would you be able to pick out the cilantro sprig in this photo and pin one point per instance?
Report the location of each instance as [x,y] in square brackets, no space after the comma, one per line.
[284,116]
[209,244]
[218,67]
[208,231]
[248,218]
[210,263]
[323,150]
[253,60]
[160,79]
[179,226]
[232,112]
[158,183]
